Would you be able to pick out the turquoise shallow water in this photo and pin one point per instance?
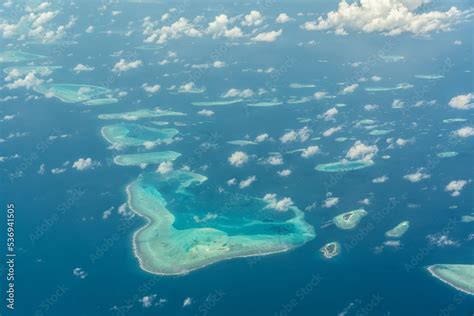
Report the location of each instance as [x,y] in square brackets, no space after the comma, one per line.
[71,218]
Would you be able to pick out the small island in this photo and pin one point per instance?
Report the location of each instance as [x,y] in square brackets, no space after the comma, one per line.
[459,276]
[344,165]
[71,93]
[128,134]
[146,158]
[139,114]
[398,230]
[349,220]
[331,250]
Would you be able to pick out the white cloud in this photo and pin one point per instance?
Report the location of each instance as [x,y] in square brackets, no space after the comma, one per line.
[207,113]
[82,68]
[390,17]
[279,205]
[247,182]
[302,135]
[188,301]
[123,65]
[84,164]
[320,95]
[262,137]
[219,28]
[441,240]
[28,82]
[464,132]
[310,151]
[267,36]
[232,93]
[455,187]
[330,114]
[165,167]
[330,131]
[147,300]
[381,179]
[152,89]
[330,202]
[79,272]
[218,64]
[462,102]
[254,18]
[361,151]
[274,160]
[181,27]
[371,107]
[190,87]
[283,18]
[417,176]
[397,104]
[238,159]
[350,89]
[284,173]
[90,29]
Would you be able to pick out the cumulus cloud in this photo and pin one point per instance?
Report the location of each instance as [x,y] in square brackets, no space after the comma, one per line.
[381,179]
[330,202]
[330,131]
[282,18]
[284,173]
[455,187]
[350,89]
[262,137]
[320,95]
[462,102]
[232,93]
[310,151]
[416,176]
[464,132]
[220,28]
[188,301]
[254,18]
[267,36]
[160,35]
[361,151]
[152,89]
[218,64]
[122,65]
[397,104]
[291,136]
[274,160]
[389,17]
[207,113]
[84,164]
[330,114]
[441,240]
[82,68]
[247,182]
[165,167]
[147,300]
[282,205]
[29,81]
[238,159]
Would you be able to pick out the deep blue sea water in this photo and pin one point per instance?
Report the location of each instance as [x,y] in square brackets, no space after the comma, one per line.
[59,223]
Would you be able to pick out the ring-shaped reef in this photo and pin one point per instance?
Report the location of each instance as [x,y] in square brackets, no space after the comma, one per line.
[188,227]
[71,93]
[131,134]
[343,166]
